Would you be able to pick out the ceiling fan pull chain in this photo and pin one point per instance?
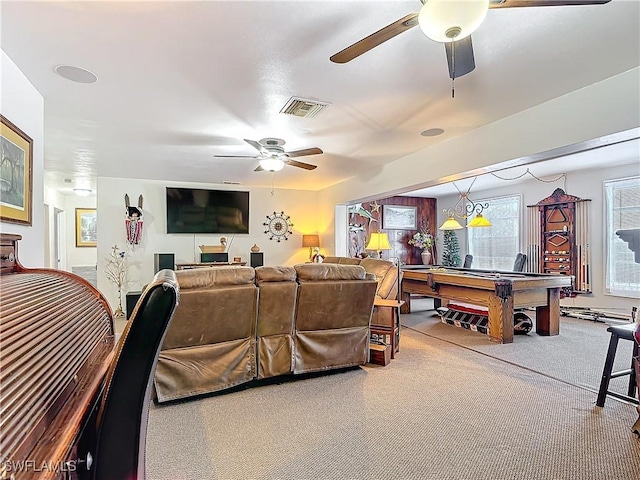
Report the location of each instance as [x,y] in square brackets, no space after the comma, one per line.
[453,69]
[272,190]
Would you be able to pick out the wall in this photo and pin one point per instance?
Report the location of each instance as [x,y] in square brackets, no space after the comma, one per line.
[586,184]
[299,205]
[21,104]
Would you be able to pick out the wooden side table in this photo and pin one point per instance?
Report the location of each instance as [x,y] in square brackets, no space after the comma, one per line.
[393,329]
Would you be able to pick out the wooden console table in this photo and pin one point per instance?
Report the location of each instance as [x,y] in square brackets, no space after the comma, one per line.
[189,266]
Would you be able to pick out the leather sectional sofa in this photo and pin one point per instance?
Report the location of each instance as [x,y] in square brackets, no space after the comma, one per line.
[238,324]
[386,274]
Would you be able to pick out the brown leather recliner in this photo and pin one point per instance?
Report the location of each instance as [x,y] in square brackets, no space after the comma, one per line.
[332,316]
[228,330]
[210,344]
[276,309]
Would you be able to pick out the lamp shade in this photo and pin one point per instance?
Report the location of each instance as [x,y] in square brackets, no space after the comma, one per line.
[447,20]
[450,224]
[310,241]
[272,164]
[378,241]
[479,221]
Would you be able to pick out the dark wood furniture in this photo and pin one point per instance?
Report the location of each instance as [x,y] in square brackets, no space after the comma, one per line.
[56,332]
[72,407]
[563,228]
[500,292]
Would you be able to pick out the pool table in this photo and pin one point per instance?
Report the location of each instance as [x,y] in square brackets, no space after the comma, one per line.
[500,292]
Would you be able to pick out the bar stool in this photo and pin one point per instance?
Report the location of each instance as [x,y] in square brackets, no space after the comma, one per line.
[624,332]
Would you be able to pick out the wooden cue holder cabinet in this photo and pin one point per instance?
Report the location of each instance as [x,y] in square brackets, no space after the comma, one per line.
[558,233]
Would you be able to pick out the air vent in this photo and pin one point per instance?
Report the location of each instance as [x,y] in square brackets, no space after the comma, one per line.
[301,107]
[229,182]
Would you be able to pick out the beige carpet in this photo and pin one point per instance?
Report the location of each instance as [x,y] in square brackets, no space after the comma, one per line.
[576,355]
[438,411]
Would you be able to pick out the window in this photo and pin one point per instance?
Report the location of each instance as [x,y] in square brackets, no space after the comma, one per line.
[496,247]
[623,212]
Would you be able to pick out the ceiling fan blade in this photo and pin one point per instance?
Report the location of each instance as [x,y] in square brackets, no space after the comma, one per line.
[259,169]
[305,152]
[462,56]
[542,3]
[375,39]
[255,145]
[306,166]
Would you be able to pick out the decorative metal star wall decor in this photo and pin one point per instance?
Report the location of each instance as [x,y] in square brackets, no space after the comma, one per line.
[278,226]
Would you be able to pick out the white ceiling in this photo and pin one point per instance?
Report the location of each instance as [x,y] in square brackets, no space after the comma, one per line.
[551,170]
[182,81]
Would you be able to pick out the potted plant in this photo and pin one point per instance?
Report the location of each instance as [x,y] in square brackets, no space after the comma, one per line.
[424,241]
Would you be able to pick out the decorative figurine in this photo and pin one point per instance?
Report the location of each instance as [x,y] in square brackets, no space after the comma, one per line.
[133,221]
[317,256]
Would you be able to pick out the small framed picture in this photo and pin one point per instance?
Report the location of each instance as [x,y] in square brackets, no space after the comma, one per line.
[86,227]
[399,217]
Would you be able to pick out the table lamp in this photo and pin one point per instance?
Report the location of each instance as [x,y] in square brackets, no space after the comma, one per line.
[379,241]
[310,241]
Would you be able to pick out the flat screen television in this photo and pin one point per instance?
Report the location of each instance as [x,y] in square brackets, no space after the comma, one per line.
[193,210]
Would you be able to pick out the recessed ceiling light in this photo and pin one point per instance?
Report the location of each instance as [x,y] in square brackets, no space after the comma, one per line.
[76,74]
[432,132]
[82,192]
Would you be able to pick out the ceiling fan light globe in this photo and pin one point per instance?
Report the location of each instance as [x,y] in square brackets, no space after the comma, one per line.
[272,164]
[439,18]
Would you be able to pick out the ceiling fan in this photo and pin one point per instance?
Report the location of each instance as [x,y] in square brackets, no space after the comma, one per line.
[450,22]
[273,157]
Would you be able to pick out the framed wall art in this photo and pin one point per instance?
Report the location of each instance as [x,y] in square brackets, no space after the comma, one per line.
[16,174]
[399,217]
[86,227]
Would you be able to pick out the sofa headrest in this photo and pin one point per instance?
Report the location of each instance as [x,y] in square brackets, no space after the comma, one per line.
[215,276]
[376,266]
[329,271]
[342,260]
[386,274]
[275,274]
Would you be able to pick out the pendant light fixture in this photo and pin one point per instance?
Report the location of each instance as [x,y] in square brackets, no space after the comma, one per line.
[464,208]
